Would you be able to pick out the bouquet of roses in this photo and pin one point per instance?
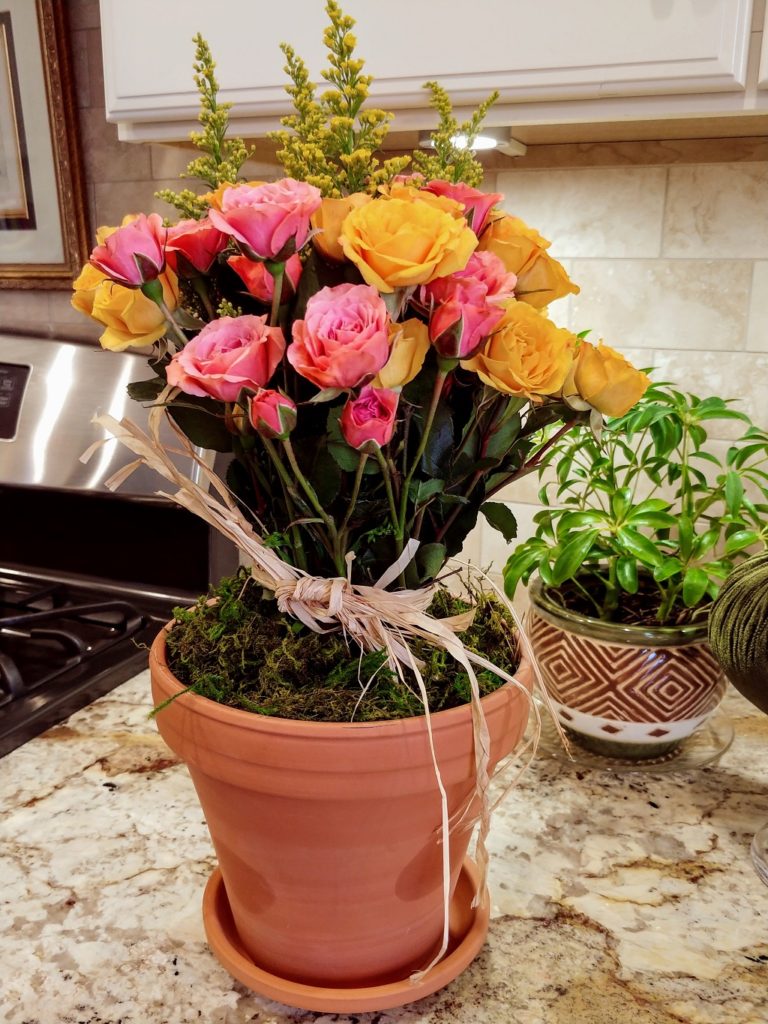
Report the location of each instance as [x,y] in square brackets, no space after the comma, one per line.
[373,348]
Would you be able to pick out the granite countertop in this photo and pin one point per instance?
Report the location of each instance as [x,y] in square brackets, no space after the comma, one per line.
[616,898]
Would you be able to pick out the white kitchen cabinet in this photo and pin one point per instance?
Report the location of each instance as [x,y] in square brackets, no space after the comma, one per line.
[552,61]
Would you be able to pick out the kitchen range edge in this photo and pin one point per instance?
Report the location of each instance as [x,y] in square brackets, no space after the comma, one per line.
[87,577]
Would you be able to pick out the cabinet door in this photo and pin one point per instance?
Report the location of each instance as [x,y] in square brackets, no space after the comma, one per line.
[548,51]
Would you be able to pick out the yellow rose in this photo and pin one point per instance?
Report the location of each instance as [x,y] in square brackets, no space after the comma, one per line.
[396,243]
[410,344]
[526,355]
[327,220]
[130,318]
[540,278]
[410,194]
[606,380]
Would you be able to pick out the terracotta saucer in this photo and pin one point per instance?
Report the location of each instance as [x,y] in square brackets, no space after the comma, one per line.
[468,928]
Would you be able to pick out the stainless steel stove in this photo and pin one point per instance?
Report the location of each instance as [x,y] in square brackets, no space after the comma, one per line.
[87,577]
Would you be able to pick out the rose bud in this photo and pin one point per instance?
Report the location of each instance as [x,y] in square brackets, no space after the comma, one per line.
[463,320]
[368,421]
[260,283]
[489,270]
[193,245]
[133,254]
[606,380]
[343,340]
[228,354]
[477,205]
[269,222]
[272,414]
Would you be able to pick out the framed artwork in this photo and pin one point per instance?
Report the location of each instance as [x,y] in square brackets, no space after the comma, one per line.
[43,222]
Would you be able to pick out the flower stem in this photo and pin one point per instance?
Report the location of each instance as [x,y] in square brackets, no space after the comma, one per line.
[154,290]
[388,487]
[437,391]
[355,490]
[338,556]
[277,270]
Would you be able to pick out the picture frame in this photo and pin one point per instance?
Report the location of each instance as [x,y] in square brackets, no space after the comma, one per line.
[43,208]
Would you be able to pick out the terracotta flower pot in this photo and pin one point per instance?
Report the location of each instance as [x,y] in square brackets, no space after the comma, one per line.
[328,835]
[623,691]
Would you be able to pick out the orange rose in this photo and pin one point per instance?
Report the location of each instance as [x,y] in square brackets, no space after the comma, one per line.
[410,194]
[540,278]
[397,243]
[605,379]
[526,355]
[328,219]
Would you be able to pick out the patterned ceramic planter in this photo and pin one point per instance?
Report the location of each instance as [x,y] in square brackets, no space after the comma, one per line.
[623,691]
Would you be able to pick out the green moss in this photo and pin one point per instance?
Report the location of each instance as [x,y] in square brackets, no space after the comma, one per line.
[241,651]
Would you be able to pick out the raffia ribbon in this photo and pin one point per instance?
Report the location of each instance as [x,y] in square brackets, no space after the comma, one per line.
[377,619]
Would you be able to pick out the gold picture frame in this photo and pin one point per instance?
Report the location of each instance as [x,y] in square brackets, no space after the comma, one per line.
[43,209]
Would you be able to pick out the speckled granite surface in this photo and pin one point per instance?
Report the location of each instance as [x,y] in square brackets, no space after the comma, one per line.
[617,899]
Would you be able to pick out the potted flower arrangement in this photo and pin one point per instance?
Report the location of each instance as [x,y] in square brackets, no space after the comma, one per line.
[650,523]
[374,352]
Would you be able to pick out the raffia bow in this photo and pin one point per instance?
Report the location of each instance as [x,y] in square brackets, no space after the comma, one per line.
[377,619]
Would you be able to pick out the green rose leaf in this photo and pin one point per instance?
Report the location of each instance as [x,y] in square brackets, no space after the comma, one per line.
[146,390]
[202,421]
[500,518]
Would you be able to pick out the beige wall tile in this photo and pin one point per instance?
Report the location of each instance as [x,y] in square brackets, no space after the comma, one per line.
[757,335]
[25,311]
[95,67]
[740,375]
[663,303]
[595,212]
[717,211]
[113,199]
[106,158]
[80,68]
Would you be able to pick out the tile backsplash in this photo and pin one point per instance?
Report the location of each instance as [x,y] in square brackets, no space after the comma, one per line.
[669,246]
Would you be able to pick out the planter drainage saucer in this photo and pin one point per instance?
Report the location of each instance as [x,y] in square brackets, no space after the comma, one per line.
[468,930]
[705,746]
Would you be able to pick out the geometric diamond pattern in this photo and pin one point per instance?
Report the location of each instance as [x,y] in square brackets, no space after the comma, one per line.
[626,683]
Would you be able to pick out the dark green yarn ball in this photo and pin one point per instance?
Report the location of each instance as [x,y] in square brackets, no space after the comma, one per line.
[738,629]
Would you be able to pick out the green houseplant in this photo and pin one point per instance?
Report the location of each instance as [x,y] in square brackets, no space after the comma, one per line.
[372,352]
[648,525]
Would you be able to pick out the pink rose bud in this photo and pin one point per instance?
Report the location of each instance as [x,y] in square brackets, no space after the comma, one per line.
[228,354]
[134,253]
[463,320]
[343,340]
[193,245]
[489,269]
[272,414]
[477,205]
[269,222]
[260,283]
[368,421]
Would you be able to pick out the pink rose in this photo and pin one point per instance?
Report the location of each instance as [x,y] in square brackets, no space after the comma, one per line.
[272,414]
[259,281]
[270,222]
[193,245]
[487,268]
[227,355]
[343,340]
[369,419]
[477,204]
[134,253]
[463,319]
